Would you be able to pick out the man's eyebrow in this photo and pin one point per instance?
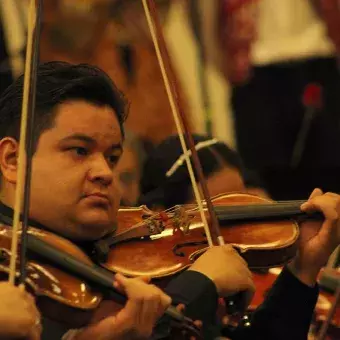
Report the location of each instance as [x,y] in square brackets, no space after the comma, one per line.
[79,136]
[89,140]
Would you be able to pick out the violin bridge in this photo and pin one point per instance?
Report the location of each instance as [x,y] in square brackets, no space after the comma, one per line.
[154,226]
[181,220]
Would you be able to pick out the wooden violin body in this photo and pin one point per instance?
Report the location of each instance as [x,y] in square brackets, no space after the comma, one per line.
[69,288]
[161,245]
[263,283]
[60,296]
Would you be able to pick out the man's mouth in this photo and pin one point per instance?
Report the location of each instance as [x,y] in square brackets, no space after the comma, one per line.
[98,197]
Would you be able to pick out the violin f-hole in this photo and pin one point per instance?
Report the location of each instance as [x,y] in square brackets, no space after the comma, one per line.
[176,248]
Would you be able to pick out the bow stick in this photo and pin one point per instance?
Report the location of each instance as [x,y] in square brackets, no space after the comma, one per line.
[22,193]
[213,233]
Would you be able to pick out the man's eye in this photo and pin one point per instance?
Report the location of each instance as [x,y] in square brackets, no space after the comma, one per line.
[80,151]
[113,159]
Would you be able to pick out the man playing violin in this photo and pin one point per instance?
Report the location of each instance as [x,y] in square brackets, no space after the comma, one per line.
[78,141]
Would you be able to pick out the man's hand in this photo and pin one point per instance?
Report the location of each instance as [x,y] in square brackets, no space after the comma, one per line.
[318,239]
[136,320]
[19,316]
[227,269]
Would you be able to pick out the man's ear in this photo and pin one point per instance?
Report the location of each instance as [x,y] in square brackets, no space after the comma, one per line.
[9,150]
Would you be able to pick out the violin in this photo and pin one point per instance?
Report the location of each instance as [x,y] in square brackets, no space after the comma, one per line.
[263,283]
[58,273]
[162,244]
[69,288]
[327,319]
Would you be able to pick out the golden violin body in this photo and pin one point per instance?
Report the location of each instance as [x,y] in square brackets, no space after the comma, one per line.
[162,244]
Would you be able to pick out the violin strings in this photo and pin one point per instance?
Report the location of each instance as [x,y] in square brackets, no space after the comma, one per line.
[152,217]
[291,202]
[235,210]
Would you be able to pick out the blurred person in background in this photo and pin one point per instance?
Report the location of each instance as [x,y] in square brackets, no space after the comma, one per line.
[129,168]
[12,41]
[166,182]
[272,53]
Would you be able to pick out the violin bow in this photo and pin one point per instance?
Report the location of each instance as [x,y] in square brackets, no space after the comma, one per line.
[213,233]
[22,193]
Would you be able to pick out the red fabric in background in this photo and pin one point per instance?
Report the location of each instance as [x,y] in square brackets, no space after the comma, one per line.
[237,22]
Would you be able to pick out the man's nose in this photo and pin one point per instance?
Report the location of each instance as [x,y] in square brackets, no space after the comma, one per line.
[101,171]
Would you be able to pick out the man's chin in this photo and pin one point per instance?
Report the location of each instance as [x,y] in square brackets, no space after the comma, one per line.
[95,225]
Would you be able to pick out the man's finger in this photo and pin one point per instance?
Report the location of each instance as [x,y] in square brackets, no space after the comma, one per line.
[327,205]
[316,192]
[145,279]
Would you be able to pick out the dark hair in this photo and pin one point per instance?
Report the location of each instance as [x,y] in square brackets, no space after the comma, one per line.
[58,82]
[252,179]
[158,189]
